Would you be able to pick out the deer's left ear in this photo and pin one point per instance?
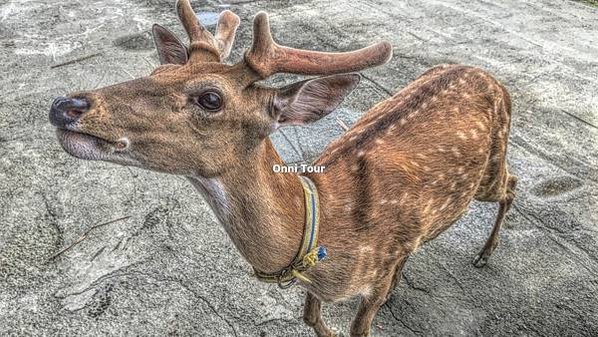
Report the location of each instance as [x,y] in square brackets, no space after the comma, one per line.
[170,49]
[310,100]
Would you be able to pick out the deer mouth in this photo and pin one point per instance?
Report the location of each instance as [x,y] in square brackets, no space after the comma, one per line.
[85,146]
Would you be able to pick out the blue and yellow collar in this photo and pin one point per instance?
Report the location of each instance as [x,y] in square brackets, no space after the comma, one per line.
[309,254]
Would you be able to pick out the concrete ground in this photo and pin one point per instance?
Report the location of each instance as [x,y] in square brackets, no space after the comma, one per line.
[169,269]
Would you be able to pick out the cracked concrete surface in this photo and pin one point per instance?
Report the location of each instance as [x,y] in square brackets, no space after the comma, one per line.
[171,270]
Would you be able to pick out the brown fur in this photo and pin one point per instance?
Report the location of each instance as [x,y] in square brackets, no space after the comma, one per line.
[404,173]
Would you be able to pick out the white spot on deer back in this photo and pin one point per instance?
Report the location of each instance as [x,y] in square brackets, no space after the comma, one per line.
[446,203]
[402,199]
[428,207]
[413,114]
[456,151]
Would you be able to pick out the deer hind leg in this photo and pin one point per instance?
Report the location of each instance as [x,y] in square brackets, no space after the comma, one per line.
[504,205]
[313,318]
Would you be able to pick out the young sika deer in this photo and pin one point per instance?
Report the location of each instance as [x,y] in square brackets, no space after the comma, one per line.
[402,175]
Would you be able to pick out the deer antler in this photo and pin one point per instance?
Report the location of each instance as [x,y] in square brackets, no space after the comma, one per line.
[228,22]
[202,40]
[266,57]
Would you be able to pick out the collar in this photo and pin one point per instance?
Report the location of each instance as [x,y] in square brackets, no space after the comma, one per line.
[309,253]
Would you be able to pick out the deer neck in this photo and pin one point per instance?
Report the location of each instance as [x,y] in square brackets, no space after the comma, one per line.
[262,211]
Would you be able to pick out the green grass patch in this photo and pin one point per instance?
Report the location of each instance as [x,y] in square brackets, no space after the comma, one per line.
[589,2]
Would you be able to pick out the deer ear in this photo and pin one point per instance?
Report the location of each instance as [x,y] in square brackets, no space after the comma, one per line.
[170,48]
[310,100]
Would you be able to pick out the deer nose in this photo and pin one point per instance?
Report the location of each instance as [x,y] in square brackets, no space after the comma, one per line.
[66,110]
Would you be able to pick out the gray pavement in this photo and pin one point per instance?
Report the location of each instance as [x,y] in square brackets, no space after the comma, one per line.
[169,269]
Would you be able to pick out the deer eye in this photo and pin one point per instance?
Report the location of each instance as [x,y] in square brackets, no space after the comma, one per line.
[210,101]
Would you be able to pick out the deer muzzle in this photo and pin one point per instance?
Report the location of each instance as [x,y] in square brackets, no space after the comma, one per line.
[67,111]
[65,115]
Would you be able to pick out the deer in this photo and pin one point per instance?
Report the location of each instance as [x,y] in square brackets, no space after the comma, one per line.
[401,175]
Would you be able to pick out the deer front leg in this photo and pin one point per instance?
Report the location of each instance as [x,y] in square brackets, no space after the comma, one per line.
[396,277]
[369,306]
[312,316]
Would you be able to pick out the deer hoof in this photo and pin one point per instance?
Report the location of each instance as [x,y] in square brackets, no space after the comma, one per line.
[480,260]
